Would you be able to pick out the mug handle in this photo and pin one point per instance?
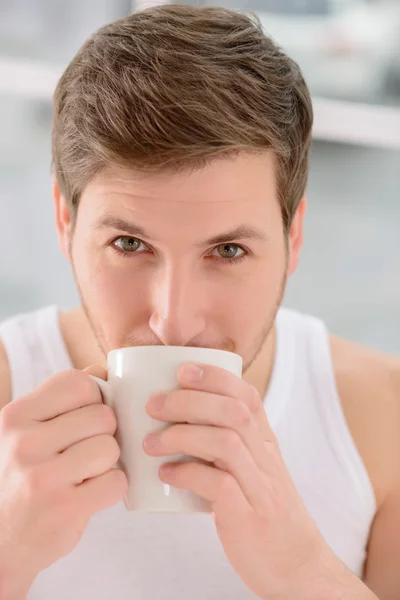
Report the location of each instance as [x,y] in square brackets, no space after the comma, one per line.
[105,389]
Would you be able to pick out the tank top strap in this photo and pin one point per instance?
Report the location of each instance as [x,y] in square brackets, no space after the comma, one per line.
[332,417]
[304,400]
[35,348]
[283,371]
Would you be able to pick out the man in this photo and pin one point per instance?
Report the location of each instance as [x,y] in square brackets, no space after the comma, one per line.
[180,145]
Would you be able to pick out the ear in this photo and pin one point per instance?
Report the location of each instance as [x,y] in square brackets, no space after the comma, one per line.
[295,238]
[63,220]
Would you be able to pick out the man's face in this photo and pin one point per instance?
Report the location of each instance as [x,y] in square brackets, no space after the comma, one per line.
[191,259]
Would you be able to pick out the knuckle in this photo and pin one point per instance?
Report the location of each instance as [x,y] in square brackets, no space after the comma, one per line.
[9,417]
[38,481]
[21,447]
[253,400]
[241,415]
[120,481]
[82,386]
[106,417]
[178,401]
[231,441]
[111,448]
[227,484]
[274,441]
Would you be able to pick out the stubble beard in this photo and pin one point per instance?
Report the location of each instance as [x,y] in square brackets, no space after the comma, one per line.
[266,331]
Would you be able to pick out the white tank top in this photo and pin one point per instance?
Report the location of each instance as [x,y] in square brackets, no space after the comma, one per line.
[131,556]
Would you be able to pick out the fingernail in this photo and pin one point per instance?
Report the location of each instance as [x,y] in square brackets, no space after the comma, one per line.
[192,373]
[152,440]
[156,403]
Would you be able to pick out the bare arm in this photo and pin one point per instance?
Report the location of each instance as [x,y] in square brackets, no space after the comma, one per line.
[11,587]
[382,572]
[369,387]
[5,378]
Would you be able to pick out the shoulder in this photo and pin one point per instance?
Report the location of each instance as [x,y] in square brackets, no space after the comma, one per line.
[5,377]
[363,373]
[368,383]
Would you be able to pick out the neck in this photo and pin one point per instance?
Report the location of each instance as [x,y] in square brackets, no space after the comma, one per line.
[84,350]
[260,370]
[80,340]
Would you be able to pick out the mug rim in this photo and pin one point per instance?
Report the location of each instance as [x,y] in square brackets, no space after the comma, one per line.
[130,349]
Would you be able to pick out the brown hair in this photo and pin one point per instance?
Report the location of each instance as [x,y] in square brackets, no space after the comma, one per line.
[175,86]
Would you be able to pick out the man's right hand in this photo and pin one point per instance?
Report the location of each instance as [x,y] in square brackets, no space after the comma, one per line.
[57,454]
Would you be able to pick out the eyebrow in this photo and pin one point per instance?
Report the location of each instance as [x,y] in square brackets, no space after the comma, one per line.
[243,232]
[110,222]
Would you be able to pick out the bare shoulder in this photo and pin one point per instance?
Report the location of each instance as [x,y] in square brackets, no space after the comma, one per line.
[361,369]
[5,378]
[368,383]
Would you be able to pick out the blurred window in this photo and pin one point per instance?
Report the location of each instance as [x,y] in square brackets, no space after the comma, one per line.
[347,49]
[293,7]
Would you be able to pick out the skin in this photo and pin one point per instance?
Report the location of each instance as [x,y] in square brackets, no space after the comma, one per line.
[267,534]
[172,291]
[185,294]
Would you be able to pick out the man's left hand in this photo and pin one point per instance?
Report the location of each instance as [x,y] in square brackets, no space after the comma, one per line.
[266,532]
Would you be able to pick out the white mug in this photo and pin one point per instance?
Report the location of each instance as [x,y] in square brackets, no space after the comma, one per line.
[134,374]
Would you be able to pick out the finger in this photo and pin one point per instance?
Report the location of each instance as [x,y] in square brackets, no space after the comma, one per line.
[217,445]
[220,381]
[59,394]
[203,408]
[103,491]
[86,459]
[217,487]
[44,441]
[97,371]
[58,434]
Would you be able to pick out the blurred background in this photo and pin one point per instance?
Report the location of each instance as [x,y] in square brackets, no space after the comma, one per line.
[349,51]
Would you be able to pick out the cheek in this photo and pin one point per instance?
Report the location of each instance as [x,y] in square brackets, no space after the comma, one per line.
[259,296]
[253,296]
[106,288]
[117,291]
[116,305]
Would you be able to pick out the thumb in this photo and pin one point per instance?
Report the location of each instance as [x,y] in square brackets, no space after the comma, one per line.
[97,371]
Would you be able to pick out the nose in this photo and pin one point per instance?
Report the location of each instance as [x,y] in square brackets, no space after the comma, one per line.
[177,305]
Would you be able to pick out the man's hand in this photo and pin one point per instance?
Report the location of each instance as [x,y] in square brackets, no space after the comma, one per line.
[57,453]
[267,534]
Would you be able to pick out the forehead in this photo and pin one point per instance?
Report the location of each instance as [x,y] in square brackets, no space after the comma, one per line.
[222,179]
[224,191]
